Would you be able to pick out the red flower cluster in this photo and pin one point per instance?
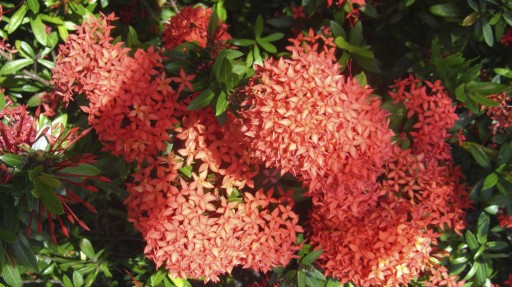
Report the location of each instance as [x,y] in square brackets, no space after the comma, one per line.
[17,127]
[501,115]
[506,39]
[306,118]
[198,227]
[190,25]
[131,103]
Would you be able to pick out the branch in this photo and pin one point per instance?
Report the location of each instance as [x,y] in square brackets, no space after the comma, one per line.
[31,76]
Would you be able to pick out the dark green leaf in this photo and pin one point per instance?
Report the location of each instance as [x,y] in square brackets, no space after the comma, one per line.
[472,271]
[81,169]
[86,248]
[213,24]
[481,273]
[222,104]
[505,154]
[471,241]
[448,10]
[23,253]
[11,275]
[317,274]
[487,31]
[337,30]
[473,5]
[258,27]
[13,160]
[7,235]
[496,245]
[312,282]
[486,88]
[50,200]
[16,19]
[508,18]
[48,180]
[273,37]
[490,180]
[33,5]
[369,65]
[243,42]
[479,155]
[301,279]
[308,259]
[15,65]
[484,101]
[38,29]
[132,40]
[266,45]
[355,36]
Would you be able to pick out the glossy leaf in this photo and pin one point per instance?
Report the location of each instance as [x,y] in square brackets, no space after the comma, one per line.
[81,169]
[452,10]
[15,65]
[86,247]
[490,180]
[301,279]
[16,19]
[471,241]
[258,27]
[38,30]
[49,197]
[222,104]
[23,252]
[33,5]
[479,155]
[308,259]
[487,31]
[13,160]
[201,101]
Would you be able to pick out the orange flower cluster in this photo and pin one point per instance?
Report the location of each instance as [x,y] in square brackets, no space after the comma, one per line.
[382,237]
[198,227]
[131,103]
[190,25]
[306,118]
[501,115]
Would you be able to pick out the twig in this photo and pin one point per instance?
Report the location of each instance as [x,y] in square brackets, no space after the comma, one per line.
[31,76]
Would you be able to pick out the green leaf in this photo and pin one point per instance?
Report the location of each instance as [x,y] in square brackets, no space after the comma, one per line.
[301,279]
[342,43]
[16,19]
[479,155]
[48,180]
[15,65]
[11,275]
[266,45]
[23,253]
[355,36]
[7,235]
[13,160]
[243,42]
[483,228]
[38,29]
[222,104]
[273,37]
[67,282]
[2,101]
[86,247]
[312,282]
[132,39]
[308,259]
[78,279]
[496,245]
[33,5]
[49,197]
[481,273]
[487,31]
[25,49]
[63,32]
[81,169]
[486,88]
[213,23]
[484,101]
[222,68]
[448,10]
[472,271]
[157,277]
[490,180]
[337,30]
[471,241]
[51,19]
[258,27]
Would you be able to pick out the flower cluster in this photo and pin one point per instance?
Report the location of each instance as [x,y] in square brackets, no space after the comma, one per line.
[501,115]
[197,226]
[387,231]
[17,127]
[131,103]
[306,118]
[191,25]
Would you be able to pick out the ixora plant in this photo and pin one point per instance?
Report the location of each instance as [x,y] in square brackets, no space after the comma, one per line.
[245,143]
